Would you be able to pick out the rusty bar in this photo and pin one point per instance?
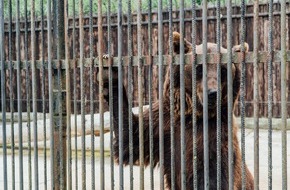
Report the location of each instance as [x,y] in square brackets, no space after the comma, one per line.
[60,99]
[140,95]
[43,94]
[11,71]
[194,131]
[130,92]
[75,92]
[101,95]
[34,94]
[230,94]
[150,90]
[219,94]
[111,97]
[256,96]
[68,96]
[270,93]
[242,93]
[283,95]
[172,141]
[205,96]
[3,95]
[120,95]
[50,92]
[182,100]
[160,94]
[28,89]
[19,101]
[92,98]
[81,34]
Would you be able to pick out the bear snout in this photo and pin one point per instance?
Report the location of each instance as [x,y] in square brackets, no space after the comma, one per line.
[212,96]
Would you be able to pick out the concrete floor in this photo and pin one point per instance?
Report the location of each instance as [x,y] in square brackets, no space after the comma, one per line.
[277,176]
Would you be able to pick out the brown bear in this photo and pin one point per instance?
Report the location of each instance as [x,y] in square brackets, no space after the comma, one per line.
[212,121]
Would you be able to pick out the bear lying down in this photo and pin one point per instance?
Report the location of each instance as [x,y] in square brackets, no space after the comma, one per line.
[212,123]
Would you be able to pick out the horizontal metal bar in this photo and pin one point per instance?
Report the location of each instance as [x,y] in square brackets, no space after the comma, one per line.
[211,58]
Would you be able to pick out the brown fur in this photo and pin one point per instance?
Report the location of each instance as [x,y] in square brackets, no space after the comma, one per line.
[188,130]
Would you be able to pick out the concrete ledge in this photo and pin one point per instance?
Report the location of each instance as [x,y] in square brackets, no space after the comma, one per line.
[263,123]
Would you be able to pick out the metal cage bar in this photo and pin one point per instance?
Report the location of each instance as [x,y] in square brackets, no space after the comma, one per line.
[219,95]
[160,94]
[140,95]
[194,98]
[270,93]
[101,95]
[182,102]
[34,95]
[112,127]
[150,91]
[19,103]
[11,74]
[172,122]
[68,97]
[205,96]
[130,91]
[120,95]
[81,33]
[283,95]
[256,97]
[230,95]
[242,93]
[3,95]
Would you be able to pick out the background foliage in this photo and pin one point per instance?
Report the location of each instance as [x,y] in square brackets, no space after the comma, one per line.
[86,6]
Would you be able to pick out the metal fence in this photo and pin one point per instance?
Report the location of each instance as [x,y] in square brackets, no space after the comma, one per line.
[189,133]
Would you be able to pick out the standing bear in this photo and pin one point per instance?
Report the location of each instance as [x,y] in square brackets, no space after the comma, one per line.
[212,124]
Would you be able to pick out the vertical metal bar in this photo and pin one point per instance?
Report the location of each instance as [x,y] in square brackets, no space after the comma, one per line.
[256,96]
[172,141]
[270,93]
[194,131]
[160,93]
[130,92]
[34,94]
[120,95]
[242,94]
[205,96]
[111,98]
[75,92]
[101,94]
[150,74]
[11,96]
[60,98]
[283,94]
[19,102]
[50,92]
[92,95]
[28,101]
[230,94]
[81,33]
[68,95]
[219,92]
[43,95]
[3,95]
[140,95]
[182,99]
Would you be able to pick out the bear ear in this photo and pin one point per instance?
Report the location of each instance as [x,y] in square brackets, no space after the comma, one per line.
[238,48]
[176,44]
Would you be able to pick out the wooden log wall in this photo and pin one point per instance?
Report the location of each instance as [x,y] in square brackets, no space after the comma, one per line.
[263,44]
